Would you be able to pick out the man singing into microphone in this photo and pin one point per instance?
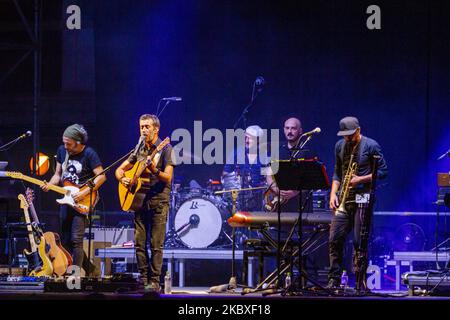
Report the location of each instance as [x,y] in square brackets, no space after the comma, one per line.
[152,217]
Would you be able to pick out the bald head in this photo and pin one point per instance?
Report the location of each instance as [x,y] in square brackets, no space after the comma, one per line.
[292,129]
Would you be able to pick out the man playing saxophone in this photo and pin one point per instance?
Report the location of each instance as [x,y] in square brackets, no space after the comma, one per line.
[351,183]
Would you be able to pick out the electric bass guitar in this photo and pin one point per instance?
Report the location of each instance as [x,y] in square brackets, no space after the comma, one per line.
[132,197]
[68,190]
[59,256]
[39,263]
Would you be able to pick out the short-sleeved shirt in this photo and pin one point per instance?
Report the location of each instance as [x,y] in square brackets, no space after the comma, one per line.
[159,190]
[80,167]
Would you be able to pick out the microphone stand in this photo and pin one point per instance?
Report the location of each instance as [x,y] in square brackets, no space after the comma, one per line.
[90,184]
[244,112]
[447,153]
[12,142]
[159,103]
[299,146]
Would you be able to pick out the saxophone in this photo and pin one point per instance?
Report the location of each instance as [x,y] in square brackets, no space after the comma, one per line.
[345,186]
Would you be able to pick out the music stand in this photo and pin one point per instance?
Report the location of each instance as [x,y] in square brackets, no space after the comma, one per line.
[300,175]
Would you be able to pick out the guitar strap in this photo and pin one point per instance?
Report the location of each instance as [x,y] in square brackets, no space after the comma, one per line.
[64,165]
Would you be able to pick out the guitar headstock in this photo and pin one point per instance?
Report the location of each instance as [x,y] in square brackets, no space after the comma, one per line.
[162,145]
[23,202]
[29,194]
[14,175]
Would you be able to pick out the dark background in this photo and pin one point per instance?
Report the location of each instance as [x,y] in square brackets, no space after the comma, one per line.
[318,58]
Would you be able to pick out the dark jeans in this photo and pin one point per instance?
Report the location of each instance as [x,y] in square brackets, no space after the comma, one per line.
[150,223]
[73,225]
[341,226]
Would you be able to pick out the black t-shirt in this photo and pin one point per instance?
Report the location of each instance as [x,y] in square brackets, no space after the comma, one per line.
[285,153]
[79,167]
[159,190]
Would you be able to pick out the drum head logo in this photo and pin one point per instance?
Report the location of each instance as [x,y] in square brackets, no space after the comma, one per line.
[194,205]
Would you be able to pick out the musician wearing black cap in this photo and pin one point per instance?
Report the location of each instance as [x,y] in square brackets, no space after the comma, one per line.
[359,149]
[76,163]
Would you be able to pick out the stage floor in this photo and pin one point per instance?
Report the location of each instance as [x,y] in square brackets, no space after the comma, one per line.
[203,294]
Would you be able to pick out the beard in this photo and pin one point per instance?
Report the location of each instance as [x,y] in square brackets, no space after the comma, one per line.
[292,138]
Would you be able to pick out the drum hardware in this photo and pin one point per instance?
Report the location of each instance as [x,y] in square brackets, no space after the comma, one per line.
[234,195]
[213,186]
[199,222]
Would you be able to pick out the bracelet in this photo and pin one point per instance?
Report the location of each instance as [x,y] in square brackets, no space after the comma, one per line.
[157,172]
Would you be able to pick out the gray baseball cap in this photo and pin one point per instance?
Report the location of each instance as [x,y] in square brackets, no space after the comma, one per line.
[348,126]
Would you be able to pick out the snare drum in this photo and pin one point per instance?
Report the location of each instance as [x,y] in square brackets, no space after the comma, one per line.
[199,221]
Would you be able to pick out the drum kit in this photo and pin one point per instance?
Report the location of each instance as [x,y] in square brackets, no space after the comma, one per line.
[198,217]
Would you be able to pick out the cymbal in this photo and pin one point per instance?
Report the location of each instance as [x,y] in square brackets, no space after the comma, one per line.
[239,190]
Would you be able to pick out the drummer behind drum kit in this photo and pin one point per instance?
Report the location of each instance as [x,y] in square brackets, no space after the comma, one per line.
[198,218]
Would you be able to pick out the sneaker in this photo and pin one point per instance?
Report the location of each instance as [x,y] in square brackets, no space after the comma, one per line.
[332,284]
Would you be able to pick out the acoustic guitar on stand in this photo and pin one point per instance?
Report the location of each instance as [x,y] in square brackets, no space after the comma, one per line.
[39,263]
[59,256]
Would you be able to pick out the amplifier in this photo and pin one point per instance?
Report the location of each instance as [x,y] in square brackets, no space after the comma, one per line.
[116,236]
[443,180]
[15,271]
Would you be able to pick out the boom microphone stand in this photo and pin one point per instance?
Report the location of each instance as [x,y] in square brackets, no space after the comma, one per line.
[90,183]
[257,88]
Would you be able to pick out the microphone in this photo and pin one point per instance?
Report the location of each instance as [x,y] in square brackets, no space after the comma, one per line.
[259,81]
[172,99]
[194,220]
[310,133]
[139,145]
[26,134]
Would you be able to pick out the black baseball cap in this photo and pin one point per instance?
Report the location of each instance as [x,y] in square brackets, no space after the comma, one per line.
[348,126]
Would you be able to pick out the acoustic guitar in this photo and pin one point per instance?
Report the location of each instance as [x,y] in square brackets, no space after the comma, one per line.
[132,197]
[39,264]
[68,189]
[57,254]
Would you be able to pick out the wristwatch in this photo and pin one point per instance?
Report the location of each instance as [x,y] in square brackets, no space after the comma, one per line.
[157,172]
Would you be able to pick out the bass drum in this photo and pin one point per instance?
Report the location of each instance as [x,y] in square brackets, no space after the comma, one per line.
[199,221]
